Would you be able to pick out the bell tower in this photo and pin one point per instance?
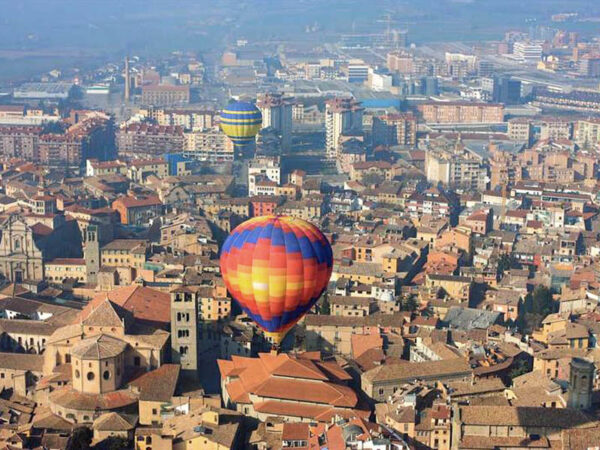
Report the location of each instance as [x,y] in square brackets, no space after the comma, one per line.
[91,253]
[581,380]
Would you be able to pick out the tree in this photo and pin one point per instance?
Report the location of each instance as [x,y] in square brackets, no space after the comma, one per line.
[537,306]
[372,178]
[80,439]
[506,262]
[408,303]
[114,443]
[325,307]
[542,302]
[520,368]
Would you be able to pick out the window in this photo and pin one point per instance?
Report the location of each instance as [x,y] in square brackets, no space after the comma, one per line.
[106,375]
[77,374]
[90,376]
[154,411]
[136,361]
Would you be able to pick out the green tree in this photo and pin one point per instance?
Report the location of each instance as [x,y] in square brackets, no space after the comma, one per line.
[542,302]
[325,307]
[80,439]
[519,369]
[506,262]
[114,443]
[408,303]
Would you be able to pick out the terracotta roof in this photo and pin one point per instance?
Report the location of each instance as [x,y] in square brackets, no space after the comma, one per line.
[147,305]
[112,422]
[136,202]
[364,342]
[98,347]
[560,418]
[286,377]
[22,361]
[295,432]
[106,314]
[158,385]
[69,398]
[427,369]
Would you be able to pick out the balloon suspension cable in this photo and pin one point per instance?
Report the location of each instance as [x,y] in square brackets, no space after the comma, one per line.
[276,347]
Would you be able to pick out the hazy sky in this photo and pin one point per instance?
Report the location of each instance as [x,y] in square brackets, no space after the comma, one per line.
[70,29]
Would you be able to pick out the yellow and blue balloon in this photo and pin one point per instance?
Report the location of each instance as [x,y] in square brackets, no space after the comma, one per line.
[240,121]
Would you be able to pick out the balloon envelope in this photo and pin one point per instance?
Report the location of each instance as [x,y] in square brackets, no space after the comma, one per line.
[240,121]
[276,268]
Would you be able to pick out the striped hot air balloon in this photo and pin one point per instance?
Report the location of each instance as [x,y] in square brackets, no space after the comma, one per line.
[240,121]
[276,268]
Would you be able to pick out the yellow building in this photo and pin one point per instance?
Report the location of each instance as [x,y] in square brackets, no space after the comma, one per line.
[125,252]
[458,288]
[59,269]
[208,428]
[139,169]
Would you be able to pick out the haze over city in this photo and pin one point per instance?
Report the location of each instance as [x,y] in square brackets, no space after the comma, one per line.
[320,225]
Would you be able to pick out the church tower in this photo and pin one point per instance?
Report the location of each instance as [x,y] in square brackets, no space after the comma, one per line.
[581,381]
[91,253]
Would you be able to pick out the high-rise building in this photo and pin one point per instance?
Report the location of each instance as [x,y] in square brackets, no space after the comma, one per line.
[342,116]
[587,132]
[485,68]
[358,73]
[209,144]
[589,66]
[277,113]
[458,169]
[261,169]
[461,112]
[527,52]
[556,128]
[509,91]
[430,86]
[149,140]
[395,129]
[502,89]
[127,80]
[520,129]
[165,95]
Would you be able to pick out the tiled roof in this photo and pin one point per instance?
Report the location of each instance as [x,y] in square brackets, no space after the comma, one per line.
[523,416]
[147,305]
[112,422]
[427,369]
[22,361]
[98,347]
[69,398]
[158,385]
[283,378]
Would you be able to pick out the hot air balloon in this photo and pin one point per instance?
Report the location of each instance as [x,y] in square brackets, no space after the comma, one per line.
[240,121]
[276,268]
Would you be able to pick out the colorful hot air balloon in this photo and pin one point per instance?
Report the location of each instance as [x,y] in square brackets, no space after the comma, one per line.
[240,121]
[276,267]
